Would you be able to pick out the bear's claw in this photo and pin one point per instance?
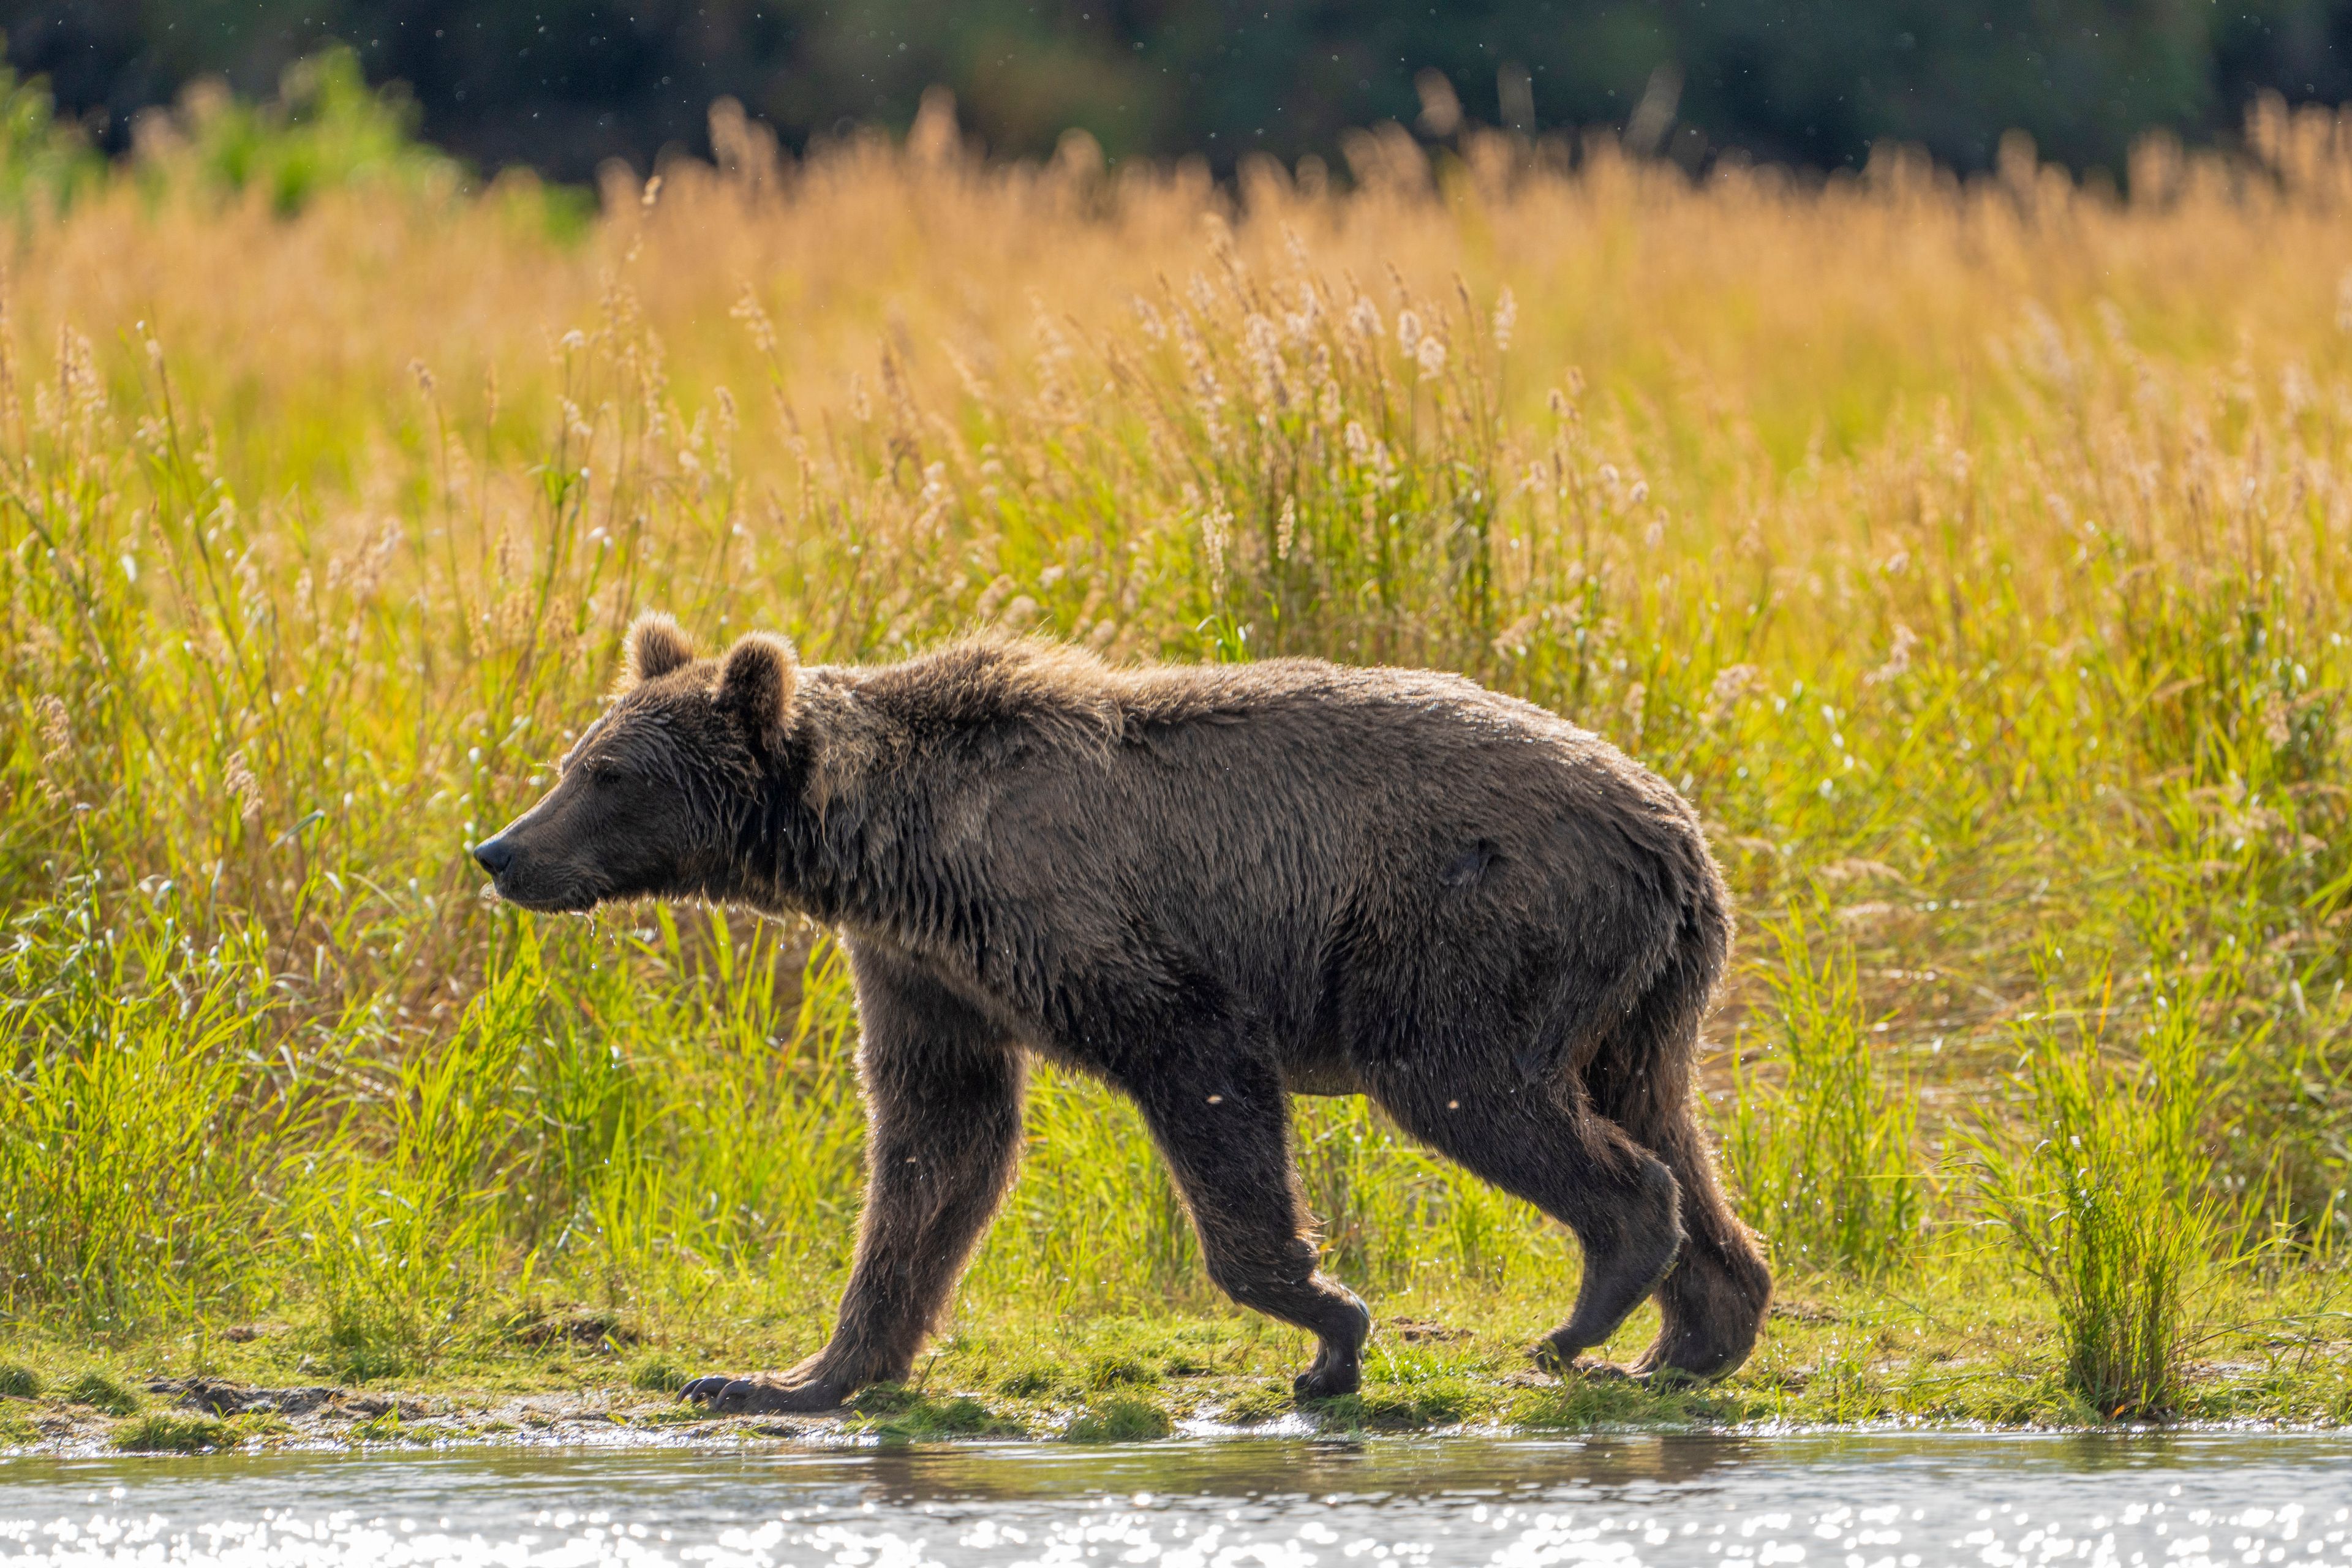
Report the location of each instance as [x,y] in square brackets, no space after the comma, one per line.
[1547,1358]
[1648,1371]
[761,1396]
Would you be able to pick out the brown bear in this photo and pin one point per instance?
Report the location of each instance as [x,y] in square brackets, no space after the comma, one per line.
[1210,888]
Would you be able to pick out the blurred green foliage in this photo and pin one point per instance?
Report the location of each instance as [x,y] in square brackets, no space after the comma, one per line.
[41,161]
[326,129]
[563,84]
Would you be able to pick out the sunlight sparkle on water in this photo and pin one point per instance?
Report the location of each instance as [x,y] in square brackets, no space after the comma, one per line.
[1854,1502]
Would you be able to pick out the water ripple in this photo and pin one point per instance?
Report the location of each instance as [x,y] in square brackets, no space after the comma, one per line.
[1850,1501]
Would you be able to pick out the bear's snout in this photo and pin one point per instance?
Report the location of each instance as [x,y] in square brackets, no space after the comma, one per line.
[526,874]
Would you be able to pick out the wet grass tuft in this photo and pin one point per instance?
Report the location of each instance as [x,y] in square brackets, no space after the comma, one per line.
[1032,1382]
[1588,1404]
[100,1390]
[2106,1195]
[1398,1406]
[1121,1372]
[1120,1418]
[174,1432]
[900,1415]
[659,1373]
[1269,1400]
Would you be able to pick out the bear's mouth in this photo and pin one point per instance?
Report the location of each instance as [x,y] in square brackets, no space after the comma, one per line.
[543,900]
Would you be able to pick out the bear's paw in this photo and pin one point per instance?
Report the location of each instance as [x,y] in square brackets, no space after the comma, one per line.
[726,1396]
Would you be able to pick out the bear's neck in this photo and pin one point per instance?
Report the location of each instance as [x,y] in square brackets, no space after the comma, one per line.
[855,839]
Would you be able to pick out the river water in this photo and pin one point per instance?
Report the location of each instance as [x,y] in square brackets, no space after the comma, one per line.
[1856,1500]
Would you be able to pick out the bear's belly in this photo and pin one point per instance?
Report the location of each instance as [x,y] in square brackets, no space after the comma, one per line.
[1321,1077]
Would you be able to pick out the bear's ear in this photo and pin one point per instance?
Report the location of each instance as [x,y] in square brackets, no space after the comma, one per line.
[657,647]
[757,680]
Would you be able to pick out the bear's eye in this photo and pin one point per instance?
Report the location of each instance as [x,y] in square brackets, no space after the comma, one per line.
[605,774]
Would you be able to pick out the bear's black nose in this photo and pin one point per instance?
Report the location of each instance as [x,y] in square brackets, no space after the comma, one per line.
[495,854]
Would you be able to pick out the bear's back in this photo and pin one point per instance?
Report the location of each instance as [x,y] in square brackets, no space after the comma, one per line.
[1289,784]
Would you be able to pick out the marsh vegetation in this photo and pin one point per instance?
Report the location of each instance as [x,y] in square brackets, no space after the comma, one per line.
[1974,555]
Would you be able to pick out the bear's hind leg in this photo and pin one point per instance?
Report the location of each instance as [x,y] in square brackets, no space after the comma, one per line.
[1712,1303]
[1577,1167]
[943,1098]
[1227,1142]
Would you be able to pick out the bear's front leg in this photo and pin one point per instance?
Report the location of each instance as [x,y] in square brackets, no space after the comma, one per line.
[1226,1132]
[943,1095]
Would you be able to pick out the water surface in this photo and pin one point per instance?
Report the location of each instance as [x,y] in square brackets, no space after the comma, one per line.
[1866,1500]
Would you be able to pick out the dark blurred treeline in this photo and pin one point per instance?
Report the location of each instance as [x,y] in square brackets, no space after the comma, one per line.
[565,84]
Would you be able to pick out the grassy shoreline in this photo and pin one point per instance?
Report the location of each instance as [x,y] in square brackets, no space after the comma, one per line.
[1835,1354]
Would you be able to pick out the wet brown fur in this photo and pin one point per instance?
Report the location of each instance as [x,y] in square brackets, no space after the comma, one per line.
[1206,887]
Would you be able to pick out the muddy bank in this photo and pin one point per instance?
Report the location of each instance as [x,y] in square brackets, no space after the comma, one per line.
[200,1414]
[210,1415]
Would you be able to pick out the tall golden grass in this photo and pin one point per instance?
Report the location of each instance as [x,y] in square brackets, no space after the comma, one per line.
[1975,554]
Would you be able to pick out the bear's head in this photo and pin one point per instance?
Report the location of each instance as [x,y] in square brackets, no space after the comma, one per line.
[654,799]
